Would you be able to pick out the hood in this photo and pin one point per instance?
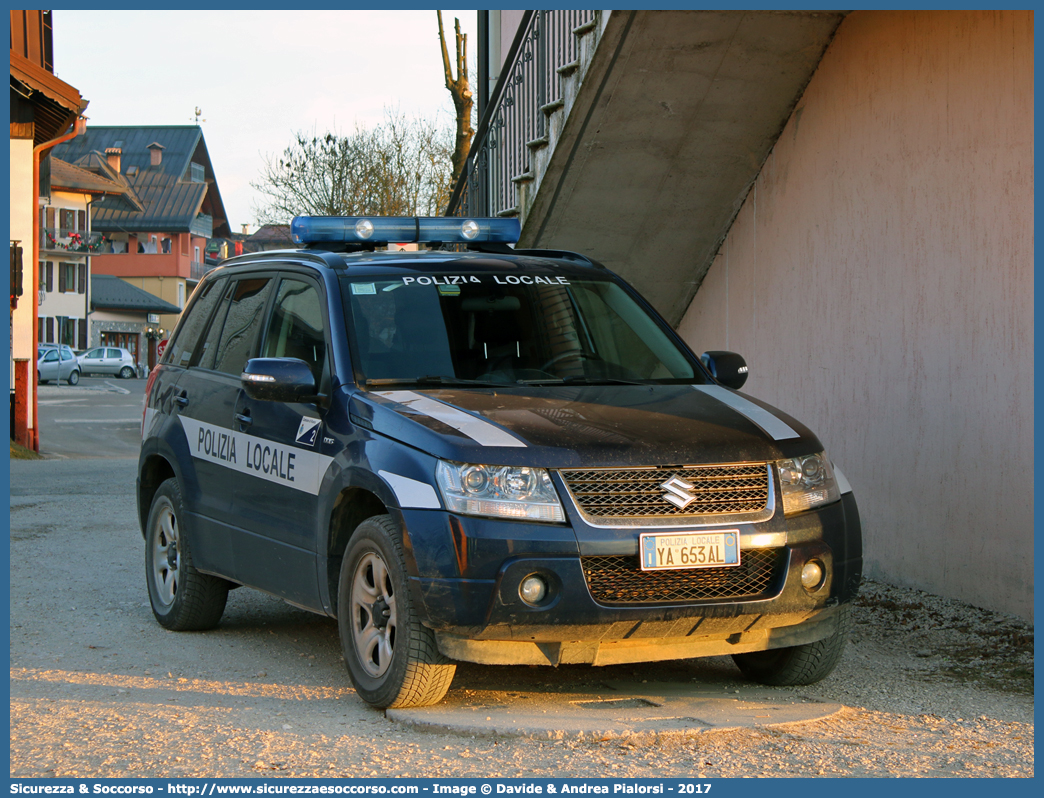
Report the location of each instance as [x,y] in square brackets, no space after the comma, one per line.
[585,426]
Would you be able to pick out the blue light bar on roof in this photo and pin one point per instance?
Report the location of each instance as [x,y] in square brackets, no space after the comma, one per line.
[402,230]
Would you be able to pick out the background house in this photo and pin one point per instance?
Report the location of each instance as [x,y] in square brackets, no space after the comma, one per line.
[265,238]
[67,195]
[159,249]
[123,315]
[844,198]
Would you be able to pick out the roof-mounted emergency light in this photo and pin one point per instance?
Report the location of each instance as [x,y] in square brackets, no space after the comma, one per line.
[373,230]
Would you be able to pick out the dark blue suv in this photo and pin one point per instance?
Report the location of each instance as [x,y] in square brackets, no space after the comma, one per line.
[480,453]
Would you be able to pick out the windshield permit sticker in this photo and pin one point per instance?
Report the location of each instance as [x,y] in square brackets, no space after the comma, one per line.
[308,432]
[364,288]
[449,290]
[459,279]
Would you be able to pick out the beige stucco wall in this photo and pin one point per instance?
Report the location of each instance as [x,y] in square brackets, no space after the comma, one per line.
[22,230]
[879,281]
[165,288]
[69,303]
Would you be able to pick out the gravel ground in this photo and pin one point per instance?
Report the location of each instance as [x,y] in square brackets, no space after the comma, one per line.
[931,688]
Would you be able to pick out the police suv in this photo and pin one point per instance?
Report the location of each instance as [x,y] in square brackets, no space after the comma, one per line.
[492,455]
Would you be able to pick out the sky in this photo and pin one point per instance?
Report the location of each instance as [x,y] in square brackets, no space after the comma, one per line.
[258,77]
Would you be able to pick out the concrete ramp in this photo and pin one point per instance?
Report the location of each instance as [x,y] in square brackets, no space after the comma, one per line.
[672,122]
[616,710]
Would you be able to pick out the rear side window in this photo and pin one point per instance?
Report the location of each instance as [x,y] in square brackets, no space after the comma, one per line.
[242,322]
[179,352]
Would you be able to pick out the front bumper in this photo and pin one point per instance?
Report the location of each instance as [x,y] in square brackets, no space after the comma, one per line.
[469,571]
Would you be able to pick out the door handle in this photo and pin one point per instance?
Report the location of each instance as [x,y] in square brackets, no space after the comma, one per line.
[182,399]
[244,419]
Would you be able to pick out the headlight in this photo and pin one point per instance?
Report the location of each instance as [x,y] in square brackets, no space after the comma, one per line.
[807,482]
[500,491]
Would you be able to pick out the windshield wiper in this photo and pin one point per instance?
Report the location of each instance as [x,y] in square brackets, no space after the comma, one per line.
[582,381]
[434,379]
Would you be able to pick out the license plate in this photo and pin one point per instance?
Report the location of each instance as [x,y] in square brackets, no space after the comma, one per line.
[694,550]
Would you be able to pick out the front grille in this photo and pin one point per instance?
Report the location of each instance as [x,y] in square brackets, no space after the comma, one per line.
[620,580]
[637,493]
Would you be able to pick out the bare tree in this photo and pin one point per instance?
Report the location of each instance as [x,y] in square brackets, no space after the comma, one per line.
[399,168]
[460,91]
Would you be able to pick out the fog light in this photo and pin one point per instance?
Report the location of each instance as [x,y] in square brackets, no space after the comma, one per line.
[533,589]
[812,575]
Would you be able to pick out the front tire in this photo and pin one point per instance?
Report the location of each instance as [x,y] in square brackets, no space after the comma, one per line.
[182,598]
[798,665]
[392,658]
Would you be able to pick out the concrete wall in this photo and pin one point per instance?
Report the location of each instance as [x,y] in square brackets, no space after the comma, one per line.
[879,281]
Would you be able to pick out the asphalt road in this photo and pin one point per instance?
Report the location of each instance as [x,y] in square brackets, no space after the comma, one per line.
[98,688]
[99,417]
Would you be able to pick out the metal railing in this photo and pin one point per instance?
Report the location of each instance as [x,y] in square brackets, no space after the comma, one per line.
[202,225]
[515,114]
[198,269]
[77,241]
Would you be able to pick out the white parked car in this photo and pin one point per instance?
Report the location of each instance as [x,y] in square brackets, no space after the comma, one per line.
[57,363]
[108,360]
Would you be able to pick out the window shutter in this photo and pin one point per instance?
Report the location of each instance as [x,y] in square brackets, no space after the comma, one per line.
[81,221]
[49,272]
[81,278]
[50,218]
[82,336]
[61,277]
[16,271]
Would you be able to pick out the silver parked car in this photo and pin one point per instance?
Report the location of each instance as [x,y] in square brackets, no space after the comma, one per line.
[55,362]
[108,360]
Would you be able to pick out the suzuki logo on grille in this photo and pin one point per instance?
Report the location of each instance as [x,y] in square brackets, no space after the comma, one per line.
[678,492]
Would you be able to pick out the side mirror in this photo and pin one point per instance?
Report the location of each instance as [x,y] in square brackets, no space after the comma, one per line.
[728,368]
[278,379]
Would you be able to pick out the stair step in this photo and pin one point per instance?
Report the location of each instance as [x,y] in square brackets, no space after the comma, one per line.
[507,213]
[587,27]
[568,69]
[551,107]
[536,144]
[525,177]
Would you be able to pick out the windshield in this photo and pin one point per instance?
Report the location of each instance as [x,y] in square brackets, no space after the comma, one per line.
[454,329]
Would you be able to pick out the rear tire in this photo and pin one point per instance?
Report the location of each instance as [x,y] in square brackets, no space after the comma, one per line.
[182,598]
[74,377]
[392,658]
[798,665]
[126,373]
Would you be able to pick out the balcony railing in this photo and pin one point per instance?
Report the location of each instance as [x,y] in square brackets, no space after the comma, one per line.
[515,115]
[202,226]
[58,240]
[198,269]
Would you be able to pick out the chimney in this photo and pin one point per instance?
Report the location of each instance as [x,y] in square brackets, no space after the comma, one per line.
[245,231]
[112,155]
[156,151]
